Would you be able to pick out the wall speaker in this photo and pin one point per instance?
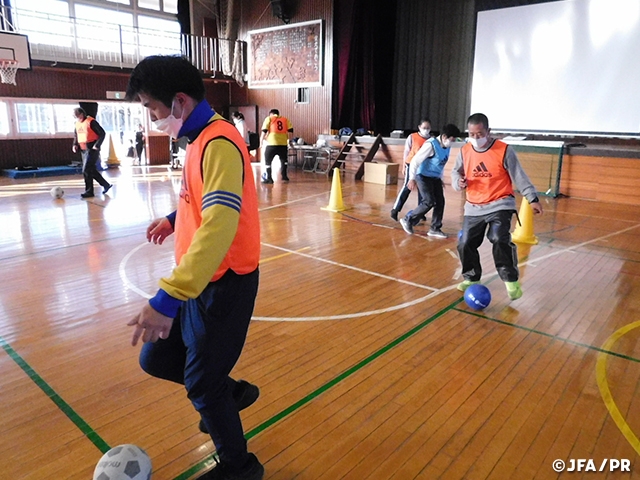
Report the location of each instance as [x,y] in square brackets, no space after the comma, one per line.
[280,10]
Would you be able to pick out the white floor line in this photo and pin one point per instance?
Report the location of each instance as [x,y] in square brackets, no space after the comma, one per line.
[342,265]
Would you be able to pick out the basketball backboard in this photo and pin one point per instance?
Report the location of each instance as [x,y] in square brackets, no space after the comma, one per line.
[14,46]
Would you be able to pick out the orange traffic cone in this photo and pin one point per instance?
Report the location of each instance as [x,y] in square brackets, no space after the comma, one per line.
[335,199]
[524,230]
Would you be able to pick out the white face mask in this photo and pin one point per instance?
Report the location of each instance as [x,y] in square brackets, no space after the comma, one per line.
[169,125]
[478,142]
[446,143]
[424,132]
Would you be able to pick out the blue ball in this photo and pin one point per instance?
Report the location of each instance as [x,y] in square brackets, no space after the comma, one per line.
[477,296]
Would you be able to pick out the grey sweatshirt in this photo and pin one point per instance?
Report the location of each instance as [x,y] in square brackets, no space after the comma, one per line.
[518,177]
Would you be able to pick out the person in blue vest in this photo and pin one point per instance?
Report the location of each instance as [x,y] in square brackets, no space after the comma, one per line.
[425,174]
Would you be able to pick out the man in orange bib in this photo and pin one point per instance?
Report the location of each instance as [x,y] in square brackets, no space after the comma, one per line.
[488,168]
[276,130]
[195,326]
[88,137]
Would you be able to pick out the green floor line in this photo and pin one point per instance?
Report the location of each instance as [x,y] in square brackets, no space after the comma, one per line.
[555,337]
[55,398]
[347,373]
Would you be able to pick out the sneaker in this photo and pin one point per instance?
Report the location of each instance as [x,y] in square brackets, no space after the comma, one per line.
[106,189]
[285,179]
[245,394]
[406,226]
[87,195]
[252,470]
[514,290]
[394,214]
[466,284]
[267,179]
[436,233]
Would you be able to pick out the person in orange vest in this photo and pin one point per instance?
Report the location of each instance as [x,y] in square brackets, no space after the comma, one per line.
[487,169]
[276,130]
[411,146]
[195,326]
[88,137]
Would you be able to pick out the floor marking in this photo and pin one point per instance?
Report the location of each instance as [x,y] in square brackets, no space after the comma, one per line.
[319,391]
[276,257]
[349,267]
[55,398]
[605,392]
[452,253]
[292,201]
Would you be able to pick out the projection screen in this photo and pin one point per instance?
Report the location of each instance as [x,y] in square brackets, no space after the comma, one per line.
[569,66]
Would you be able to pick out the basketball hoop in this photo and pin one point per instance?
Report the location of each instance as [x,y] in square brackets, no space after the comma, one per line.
[8,69]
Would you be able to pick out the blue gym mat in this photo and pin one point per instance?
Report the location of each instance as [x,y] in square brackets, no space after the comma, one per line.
[42,172]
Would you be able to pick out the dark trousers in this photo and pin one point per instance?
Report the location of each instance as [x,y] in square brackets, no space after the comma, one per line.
[204,344]
[497,226]
[432,194]
[139,150]
[269,154]
[404,192]
[90,159]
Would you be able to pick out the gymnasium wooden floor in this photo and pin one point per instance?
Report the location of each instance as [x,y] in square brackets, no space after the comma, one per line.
[370,364]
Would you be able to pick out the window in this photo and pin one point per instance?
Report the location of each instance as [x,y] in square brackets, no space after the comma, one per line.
[158,36]
[44,21]
[64,120]
[35,118]
[303,95]
[152,4]
[98,29]
[4,119]
[171,6]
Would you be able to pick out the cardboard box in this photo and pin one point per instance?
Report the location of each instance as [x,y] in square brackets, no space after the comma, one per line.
[382,173]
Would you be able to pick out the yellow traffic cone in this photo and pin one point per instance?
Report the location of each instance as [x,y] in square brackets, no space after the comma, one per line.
[335,199]
[112,160]
[524,230]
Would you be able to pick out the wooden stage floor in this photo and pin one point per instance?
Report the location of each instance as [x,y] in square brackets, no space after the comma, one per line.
[370,364]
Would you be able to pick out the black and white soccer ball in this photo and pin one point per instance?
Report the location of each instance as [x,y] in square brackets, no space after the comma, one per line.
[57,192]
[124,462]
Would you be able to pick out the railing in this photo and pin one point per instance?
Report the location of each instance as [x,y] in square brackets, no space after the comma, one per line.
[62,39]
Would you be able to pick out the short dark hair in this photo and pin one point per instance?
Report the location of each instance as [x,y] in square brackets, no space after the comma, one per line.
[478,119]
[424,119]
[79,111]
[274,111]
[162,76]
[237,115]
[450,130]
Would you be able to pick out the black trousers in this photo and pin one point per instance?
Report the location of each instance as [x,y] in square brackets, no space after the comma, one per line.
[90,159]
[269,154]
[204,344]
[432,196]
[497,226]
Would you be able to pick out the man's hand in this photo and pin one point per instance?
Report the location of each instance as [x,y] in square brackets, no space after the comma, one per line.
[159,229]
[462,183]
[537,208]
[150,325]
[411,185]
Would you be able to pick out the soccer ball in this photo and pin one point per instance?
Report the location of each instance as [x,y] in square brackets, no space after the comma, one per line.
[57,192]
[124,462]
[301,141]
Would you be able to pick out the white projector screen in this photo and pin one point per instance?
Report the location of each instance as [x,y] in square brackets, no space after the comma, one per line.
[570,66]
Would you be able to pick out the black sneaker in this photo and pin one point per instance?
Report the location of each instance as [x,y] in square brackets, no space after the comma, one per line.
[285,179]
[406,226]
[87,195]
[267,181]
[106,189]
[394,214]
[245,394]
[252,470]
